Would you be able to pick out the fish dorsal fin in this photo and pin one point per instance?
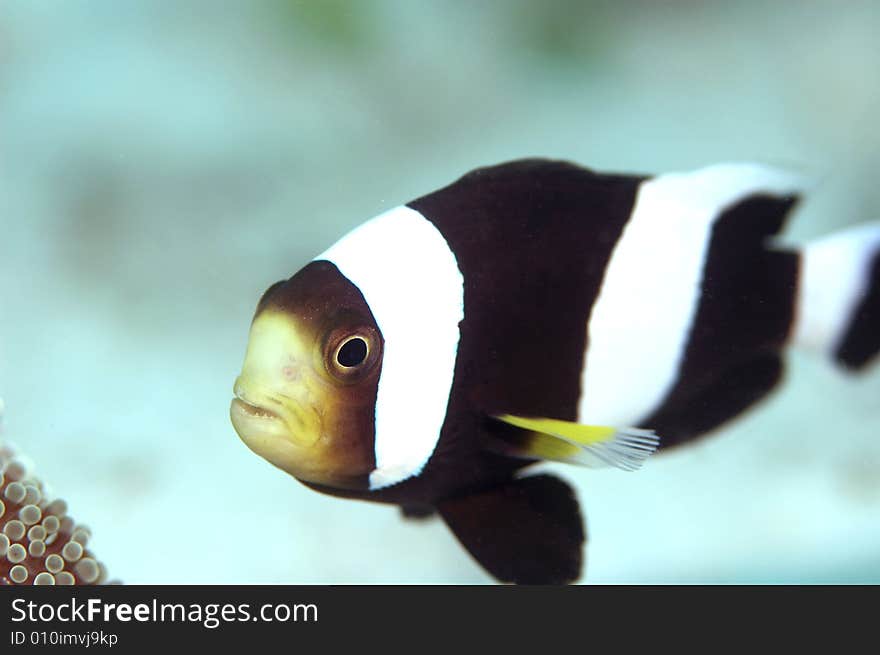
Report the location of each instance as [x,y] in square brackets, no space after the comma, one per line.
[588,445]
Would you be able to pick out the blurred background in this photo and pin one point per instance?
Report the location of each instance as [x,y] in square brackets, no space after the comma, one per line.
[162,162]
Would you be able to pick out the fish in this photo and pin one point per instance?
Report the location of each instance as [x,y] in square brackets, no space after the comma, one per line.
[540,311]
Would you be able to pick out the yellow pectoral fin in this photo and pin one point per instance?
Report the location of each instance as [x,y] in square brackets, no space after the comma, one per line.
[582,435]
[588,445]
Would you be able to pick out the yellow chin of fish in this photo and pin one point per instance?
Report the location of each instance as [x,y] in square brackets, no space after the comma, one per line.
[277,396]
[266,432]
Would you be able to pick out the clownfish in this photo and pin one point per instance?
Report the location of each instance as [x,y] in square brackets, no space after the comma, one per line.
[540,311]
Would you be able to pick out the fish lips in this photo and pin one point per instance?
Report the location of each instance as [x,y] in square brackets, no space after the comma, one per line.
[257,417]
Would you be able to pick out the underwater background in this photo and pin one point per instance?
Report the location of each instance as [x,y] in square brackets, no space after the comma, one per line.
[163,162]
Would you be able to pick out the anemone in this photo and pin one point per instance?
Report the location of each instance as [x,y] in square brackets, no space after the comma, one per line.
[40,544]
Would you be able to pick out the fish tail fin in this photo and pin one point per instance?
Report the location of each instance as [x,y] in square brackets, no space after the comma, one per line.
[839,297]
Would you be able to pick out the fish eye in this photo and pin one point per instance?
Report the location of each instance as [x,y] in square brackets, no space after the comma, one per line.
[349,355]
[352,352]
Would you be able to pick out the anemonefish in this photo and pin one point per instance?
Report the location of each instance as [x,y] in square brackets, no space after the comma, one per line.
[537,310]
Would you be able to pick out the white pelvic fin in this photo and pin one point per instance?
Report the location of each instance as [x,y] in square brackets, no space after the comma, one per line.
[834,281]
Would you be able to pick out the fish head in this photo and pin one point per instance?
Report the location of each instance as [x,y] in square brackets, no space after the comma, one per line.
[306,394]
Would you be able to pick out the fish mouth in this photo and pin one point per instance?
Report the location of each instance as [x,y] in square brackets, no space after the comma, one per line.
[249,407]
[258,414]
[254,411]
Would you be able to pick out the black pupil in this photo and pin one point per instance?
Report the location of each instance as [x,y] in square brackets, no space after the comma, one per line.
[352,353]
